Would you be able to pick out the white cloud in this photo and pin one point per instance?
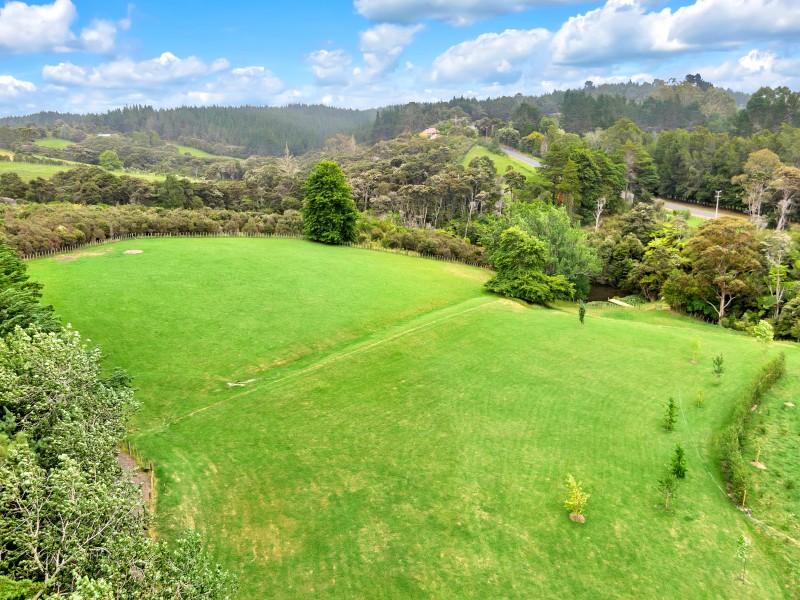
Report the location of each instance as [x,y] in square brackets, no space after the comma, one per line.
[492,57]
[455,12]
[126,23]
[385,37]
[243,85]
[753,70]
[164,70]
[12,88]
[619,31]
[735,21]
[100,37]
[624,30]
[382,47]
[31,28]
[330,67]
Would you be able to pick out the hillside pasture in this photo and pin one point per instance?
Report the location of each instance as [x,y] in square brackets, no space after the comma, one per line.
[501,162]
[345,423]
[28,171]
[52,142]
[201,153]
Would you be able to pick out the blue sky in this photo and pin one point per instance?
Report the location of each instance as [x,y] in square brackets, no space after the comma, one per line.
[79,56]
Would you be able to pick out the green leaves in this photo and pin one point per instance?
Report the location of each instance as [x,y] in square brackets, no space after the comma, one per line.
[328,211]
[519,259]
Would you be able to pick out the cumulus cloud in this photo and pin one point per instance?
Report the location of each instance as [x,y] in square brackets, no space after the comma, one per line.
[164,70]
[753,70]
[29,28]
[619,31]
[250,85]
[735,21]
[330,67]
[382,47]
[12,88]
[492,57]
[623,30]
[100,37]
[455,12]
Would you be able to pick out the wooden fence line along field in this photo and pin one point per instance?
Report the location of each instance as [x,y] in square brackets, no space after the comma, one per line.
[225,234]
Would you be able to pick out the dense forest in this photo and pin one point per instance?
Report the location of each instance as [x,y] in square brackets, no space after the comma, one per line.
[250,129]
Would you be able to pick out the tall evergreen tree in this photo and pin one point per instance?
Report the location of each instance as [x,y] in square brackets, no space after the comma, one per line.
[329,212]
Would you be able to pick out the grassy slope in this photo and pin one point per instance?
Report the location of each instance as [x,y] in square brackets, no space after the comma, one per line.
[776,442]
[500,162]
[28,171]
[201,153]
[408,435]
[54,143]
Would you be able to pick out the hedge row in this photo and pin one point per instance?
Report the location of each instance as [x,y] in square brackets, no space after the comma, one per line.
[734,466]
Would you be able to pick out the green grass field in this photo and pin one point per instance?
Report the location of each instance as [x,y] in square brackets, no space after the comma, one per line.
[201,153]
[500,162]
[406,435]
[28,171]
[54,143]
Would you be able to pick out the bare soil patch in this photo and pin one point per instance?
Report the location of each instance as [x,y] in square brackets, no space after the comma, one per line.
[577,518]
[133,251]
[76,256]
[138,477]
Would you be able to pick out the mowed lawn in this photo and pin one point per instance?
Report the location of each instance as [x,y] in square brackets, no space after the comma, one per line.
[407,435]
[501,161]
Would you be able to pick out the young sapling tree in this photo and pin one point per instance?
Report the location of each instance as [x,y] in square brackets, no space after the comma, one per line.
[699,399]
[671,416]
[718,368]
[576,500]
[763,333]
[694,347]
[582,311]
[742,551]
[679,462]
[668,484]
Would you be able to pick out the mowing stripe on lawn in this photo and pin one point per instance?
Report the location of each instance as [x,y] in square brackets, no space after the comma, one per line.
[336,356]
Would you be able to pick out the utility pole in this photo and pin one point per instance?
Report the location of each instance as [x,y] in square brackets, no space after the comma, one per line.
[716,212]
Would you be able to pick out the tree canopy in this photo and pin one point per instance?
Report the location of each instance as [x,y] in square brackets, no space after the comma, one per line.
[329,212]
[519,259]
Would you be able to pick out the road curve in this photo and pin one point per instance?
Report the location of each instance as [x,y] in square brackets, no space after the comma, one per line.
[521,157]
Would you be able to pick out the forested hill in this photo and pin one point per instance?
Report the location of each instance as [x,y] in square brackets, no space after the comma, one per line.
[654,106]
[254,129]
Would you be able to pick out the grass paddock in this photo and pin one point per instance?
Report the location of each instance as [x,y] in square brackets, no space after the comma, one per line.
[399,433]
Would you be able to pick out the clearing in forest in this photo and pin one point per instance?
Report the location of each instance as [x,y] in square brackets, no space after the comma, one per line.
[402,434]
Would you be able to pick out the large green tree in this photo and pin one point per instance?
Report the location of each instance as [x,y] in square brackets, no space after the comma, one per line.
[519,259]
[329,212]
[723,261]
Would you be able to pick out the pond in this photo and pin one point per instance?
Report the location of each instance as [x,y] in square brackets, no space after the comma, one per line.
[602,293]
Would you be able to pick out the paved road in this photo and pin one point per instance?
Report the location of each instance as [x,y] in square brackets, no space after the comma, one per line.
[704,212]
[521,157]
